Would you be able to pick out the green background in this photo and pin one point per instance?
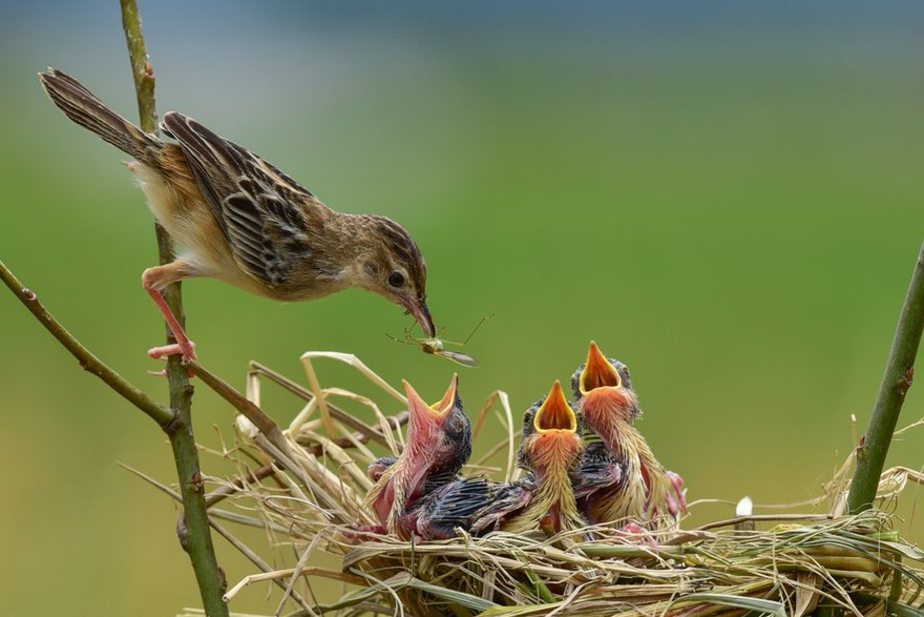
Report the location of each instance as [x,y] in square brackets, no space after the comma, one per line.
[727,198]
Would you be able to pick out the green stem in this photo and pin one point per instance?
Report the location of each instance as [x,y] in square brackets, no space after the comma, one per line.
[899,373]
[193,526]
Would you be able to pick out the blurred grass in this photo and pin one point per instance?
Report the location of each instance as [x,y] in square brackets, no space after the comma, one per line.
[739,228]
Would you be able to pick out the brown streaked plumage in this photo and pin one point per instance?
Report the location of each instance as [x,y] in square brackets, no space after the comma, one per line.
[239,219]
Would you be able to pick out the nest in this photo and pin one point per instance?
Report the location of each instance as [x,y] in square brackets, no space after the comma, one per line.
[305,485]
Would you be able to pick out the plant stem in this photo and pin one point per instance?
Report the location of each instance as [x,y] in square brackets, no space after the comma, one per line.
[263,422]
[84,356]
[899,373]
[193,526]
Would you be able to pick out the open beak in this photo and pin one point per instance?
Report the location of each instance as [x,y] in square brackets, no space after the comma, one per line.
[598,371]
[555,414]
[418,308]
[422,414]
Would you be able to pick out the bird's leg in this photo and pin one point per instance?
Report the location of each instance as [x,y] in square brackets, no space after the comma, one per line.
[155,280]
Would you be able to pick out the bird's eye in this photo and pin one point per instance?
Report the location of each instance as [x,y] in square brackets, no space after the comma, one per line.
[396,279]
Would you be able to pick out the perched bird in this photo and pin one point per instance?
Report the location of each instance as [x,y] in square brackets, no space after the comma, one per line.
[239,219]
[620,477]
[439,443]
[550,453]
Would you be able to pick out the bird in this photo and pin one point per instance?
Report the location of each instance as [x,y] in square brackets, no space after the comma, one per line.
[620,478]
[439,443]
[239,219]
[550,453]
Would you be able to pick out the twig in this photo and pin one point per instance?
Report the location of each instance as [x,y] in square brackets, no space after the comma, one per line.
[363,433]
[240,546]
[84,356]
[899,373]
[263,422]
[193,526]
[226,491]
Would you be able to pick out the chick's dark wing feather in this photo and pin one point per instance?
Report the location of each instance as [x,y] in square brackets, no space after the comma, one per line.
[474,504]
[260,209]
[600,469]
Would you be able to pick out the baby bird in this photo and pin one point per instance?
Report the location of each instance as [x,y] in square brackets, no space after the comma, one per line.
[620,476]
[550,453]
[439,443]
[239,219]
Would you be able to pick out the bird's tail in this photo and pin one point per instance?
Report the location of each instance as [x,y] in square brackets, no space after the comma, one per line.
[82,106]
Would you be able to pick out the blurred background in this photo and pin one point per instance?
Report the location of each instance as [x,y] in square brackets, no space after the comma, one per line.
[725,196]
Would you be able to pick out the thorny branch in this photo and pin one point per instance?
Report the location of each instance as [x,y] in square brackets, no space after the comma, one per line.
[193,526]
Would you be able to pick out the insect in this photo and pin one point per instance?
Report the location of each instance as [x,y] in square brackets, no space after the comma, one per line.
[436,346]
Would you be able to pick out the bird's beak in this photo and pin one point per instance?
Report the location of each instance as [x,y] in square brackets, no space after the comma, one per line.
[598,372]
[418,308]
[424,415]
[555,414]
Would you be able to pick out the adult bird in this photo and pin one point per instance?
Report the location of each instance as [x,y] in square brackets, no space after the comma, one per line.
[620,478]
[550,453]
[239,219]
[438,444]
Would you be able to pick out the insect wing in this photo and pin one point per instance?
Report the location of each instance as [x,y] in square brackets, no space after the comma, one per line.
[459,358]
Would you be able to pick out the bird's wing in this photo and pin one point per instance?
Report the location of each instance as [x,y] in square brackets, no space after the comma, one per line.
[599,469]
[508,499]
[459,503]
[260,209]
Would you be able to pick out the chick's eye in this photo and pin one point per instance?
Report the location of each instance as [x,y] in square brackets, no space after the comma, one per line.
[396,279]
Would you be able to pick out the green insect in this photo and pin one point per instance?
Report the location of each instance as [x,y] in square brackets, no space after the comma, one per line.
[436,346]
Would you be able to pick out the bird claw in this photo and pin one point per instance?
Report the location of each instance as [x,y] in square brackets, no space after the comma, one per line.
[187,349]
[359,533]
[638,534]
[679,505]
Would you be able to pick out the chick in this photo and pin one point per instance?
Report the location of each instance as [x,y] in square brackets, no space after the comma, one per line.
[439,443]
[550,453]
[620,477]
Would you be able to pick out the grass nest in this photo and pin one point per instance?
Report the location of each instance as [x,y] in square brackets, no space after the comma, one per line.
[304,485]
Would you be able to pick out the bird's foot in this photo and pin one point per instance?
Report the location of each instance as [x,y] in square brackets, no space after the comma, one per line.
[185,348]
[359,533]
[636,534]
[677,505]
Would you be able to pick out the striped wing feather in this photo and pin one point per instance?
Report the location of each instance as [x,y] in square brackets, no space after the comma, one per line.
[259,208]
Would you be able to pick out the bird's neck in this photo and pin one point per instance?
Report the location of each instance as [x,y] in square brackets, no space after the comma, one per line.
[553,505]
[648,486]
[343,247]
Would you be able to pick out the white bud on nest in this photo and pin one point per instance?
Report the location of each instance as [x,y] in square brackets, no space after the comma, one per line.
[246,427]
[745,507]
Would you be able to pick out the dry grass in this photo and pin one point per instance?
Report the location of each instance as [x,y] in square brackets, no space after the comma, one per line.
[308,498]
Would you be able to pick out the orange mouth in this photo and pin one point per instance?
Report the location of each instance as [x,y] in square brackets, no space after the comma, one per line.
[555,414]
[437,411]
[598,372]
